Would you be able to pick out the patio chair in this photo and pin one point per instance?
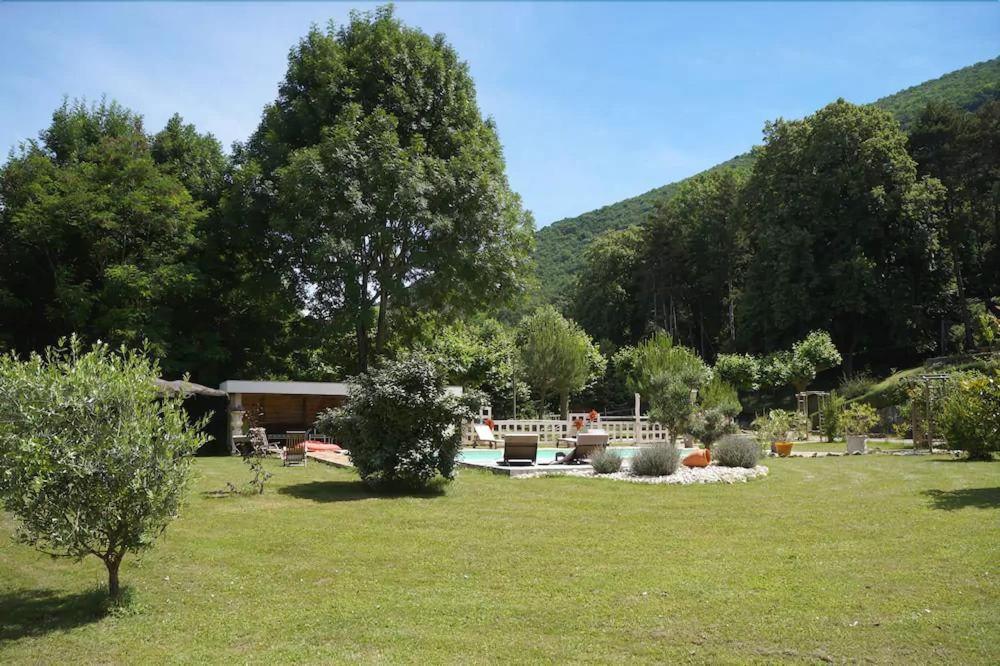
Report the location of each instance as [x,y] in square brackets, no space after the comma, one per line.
[587,444]
[257,438]
[294,452]
[520,449]
[484,435]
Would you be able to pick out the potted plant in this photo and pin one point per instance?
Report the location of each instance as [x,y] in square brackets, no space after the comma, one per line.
[857,420]
[773,430]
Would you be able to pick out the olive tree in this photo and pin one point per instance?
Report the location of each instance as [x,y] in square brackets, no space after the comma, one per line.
[557,356]
[669,375]
[94,458]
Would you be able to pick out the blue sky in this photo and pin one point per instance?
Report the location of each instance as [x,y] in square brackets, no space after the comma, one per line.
[594,102]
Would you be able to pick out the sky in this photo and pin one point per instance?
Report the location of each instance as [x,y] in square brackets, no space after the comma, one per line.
[594,102]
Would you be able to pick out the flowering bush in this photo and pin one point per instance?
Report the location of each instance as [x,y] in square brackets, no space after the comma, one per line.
[970,417]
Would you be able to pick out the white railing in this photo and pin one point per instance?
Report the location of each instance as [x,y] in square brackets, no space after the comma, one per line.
[620,429]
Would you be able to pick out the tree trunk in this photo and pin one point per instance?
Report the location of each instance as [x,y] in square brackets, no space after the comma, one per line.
[112,563]
[564,405]
[362,337]
[380,327]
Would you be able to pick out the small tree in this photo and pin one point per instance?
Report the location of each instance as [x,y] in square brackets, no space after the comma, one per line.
[557,356]
[742,371]
[858,418]
[668,376]
[799,366]
[94,459]
[400,425]
[831,410]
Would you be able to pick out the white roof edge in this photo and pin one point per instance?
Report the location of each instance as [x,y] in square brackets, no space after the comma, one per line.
[297,388]
[288,388]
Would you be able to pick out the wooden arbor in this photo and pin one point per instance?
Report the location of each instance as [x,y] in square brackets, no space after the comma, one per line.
[925,393]
[804,403]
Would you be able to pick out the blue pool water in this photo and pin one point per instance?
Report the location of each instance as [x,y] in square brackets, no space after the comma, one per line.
[545,455]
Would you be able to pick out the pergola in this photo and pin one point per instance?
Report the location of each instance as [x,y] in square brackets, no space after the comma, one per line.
[803,405]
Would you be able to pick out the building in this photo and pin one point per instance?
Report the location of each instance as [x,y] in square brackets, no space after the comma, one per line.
[281,407]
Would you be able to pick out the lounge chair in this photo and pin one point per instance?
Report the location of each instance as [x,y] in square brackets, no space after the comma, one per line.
[294,452]
[484,435]
[257,438]
[587,444]
[520,449]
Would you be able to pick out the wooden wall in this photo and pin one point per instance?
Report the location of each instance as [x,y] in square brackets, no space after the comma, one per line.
[281,413]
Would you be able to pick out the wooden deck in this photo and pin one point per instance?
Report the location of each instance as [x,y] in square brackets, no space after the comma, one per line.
[330,458]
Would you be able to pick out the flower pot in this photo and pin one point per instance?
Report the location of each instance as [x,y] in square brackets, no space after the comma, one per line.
[699,458]
[783,448]
[856,444]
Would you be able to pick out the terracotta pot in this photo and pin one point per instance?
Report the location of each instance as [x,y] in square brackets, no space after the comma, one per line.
[783,448]
[699,458]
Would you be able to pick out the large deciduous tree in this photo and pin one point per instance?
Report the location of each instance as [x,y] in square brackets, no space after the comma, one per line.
[557,357]
[845,237]
[94,459]
[383,182]
[94,236]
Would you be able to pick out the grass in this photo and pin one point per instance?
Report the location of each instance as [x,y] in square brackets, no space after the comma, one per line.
[875,558]
[840,446]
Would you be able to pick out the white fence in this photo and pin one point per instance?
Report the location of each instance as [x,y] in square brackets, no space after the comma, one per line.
[620,429]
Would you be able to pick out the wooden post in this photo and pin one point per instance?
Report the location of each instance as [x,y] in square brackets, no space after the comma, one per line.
[638,419]
[235,420]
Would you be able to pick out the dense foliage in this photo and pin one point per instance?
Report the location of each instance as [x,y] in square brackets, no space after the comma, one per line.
[558,358]
[94,459]
[399,424]
[970,415]
[561,245]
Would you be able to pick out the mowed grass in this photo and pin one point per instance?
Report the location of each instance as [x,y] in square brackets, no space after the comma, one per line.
[876,558]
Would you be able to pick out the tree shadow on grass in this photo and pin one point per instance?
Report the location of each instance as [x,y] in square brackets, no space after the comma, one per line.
[349,491]
[26,613]
[952,500]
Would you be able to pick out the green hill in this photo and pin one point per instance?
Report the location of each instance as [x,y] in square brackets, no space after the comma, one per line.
[559,249]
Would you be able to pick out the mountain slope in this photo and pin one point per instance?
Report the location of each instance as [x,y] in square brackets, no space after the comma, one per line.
[559,246]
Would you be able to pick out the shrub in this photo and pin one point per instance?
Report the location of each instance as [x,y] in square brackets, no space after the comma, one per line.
[832,412]
[858,419]
[855,385]
[399,425]
[606,461]
[94,459]
[736,451]
[773,427]
[710,424]
[656,460]
[970,415]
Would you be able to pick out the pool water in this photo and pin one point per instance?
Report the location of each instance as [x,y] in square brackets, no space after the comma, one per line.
[545,455]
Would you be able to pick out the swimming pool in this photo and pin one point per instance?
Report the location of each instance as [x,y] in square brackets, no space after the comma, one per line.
[545,455]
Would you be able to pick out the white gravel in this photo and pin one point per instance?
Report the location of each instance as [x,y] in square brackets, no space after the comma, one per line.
[684,475]
[689,475]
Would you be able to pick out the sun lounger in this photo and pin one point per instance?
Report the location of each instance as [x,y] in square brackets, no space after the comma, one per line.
[484,435]
[520,449]
[587,444]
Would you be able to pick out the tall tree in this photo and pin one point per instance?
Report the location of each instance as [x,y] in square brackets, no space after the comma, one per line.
[94,236]
[605,299]
[845,237]
[694,260]
[389,188]
[557,357]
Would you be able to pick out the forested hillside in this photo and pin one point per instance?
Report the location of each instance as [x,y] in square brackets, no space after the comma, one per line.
[559,246]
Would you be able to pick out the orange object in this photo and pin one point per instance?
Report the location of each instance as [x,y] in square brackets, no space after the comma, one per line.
[699,458]
[783,448]
[313,445]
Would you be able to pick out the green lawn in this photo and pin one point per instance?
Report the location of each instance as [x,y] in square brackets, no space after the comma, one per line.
[876,558]
[841,446]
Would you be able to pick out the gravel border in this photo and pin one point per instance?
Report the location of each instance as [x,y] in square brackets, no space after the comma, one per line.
[682,476]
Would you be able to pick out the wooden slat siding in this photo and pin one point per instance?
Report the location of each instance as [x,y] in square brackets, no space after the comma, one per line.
[289,412]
